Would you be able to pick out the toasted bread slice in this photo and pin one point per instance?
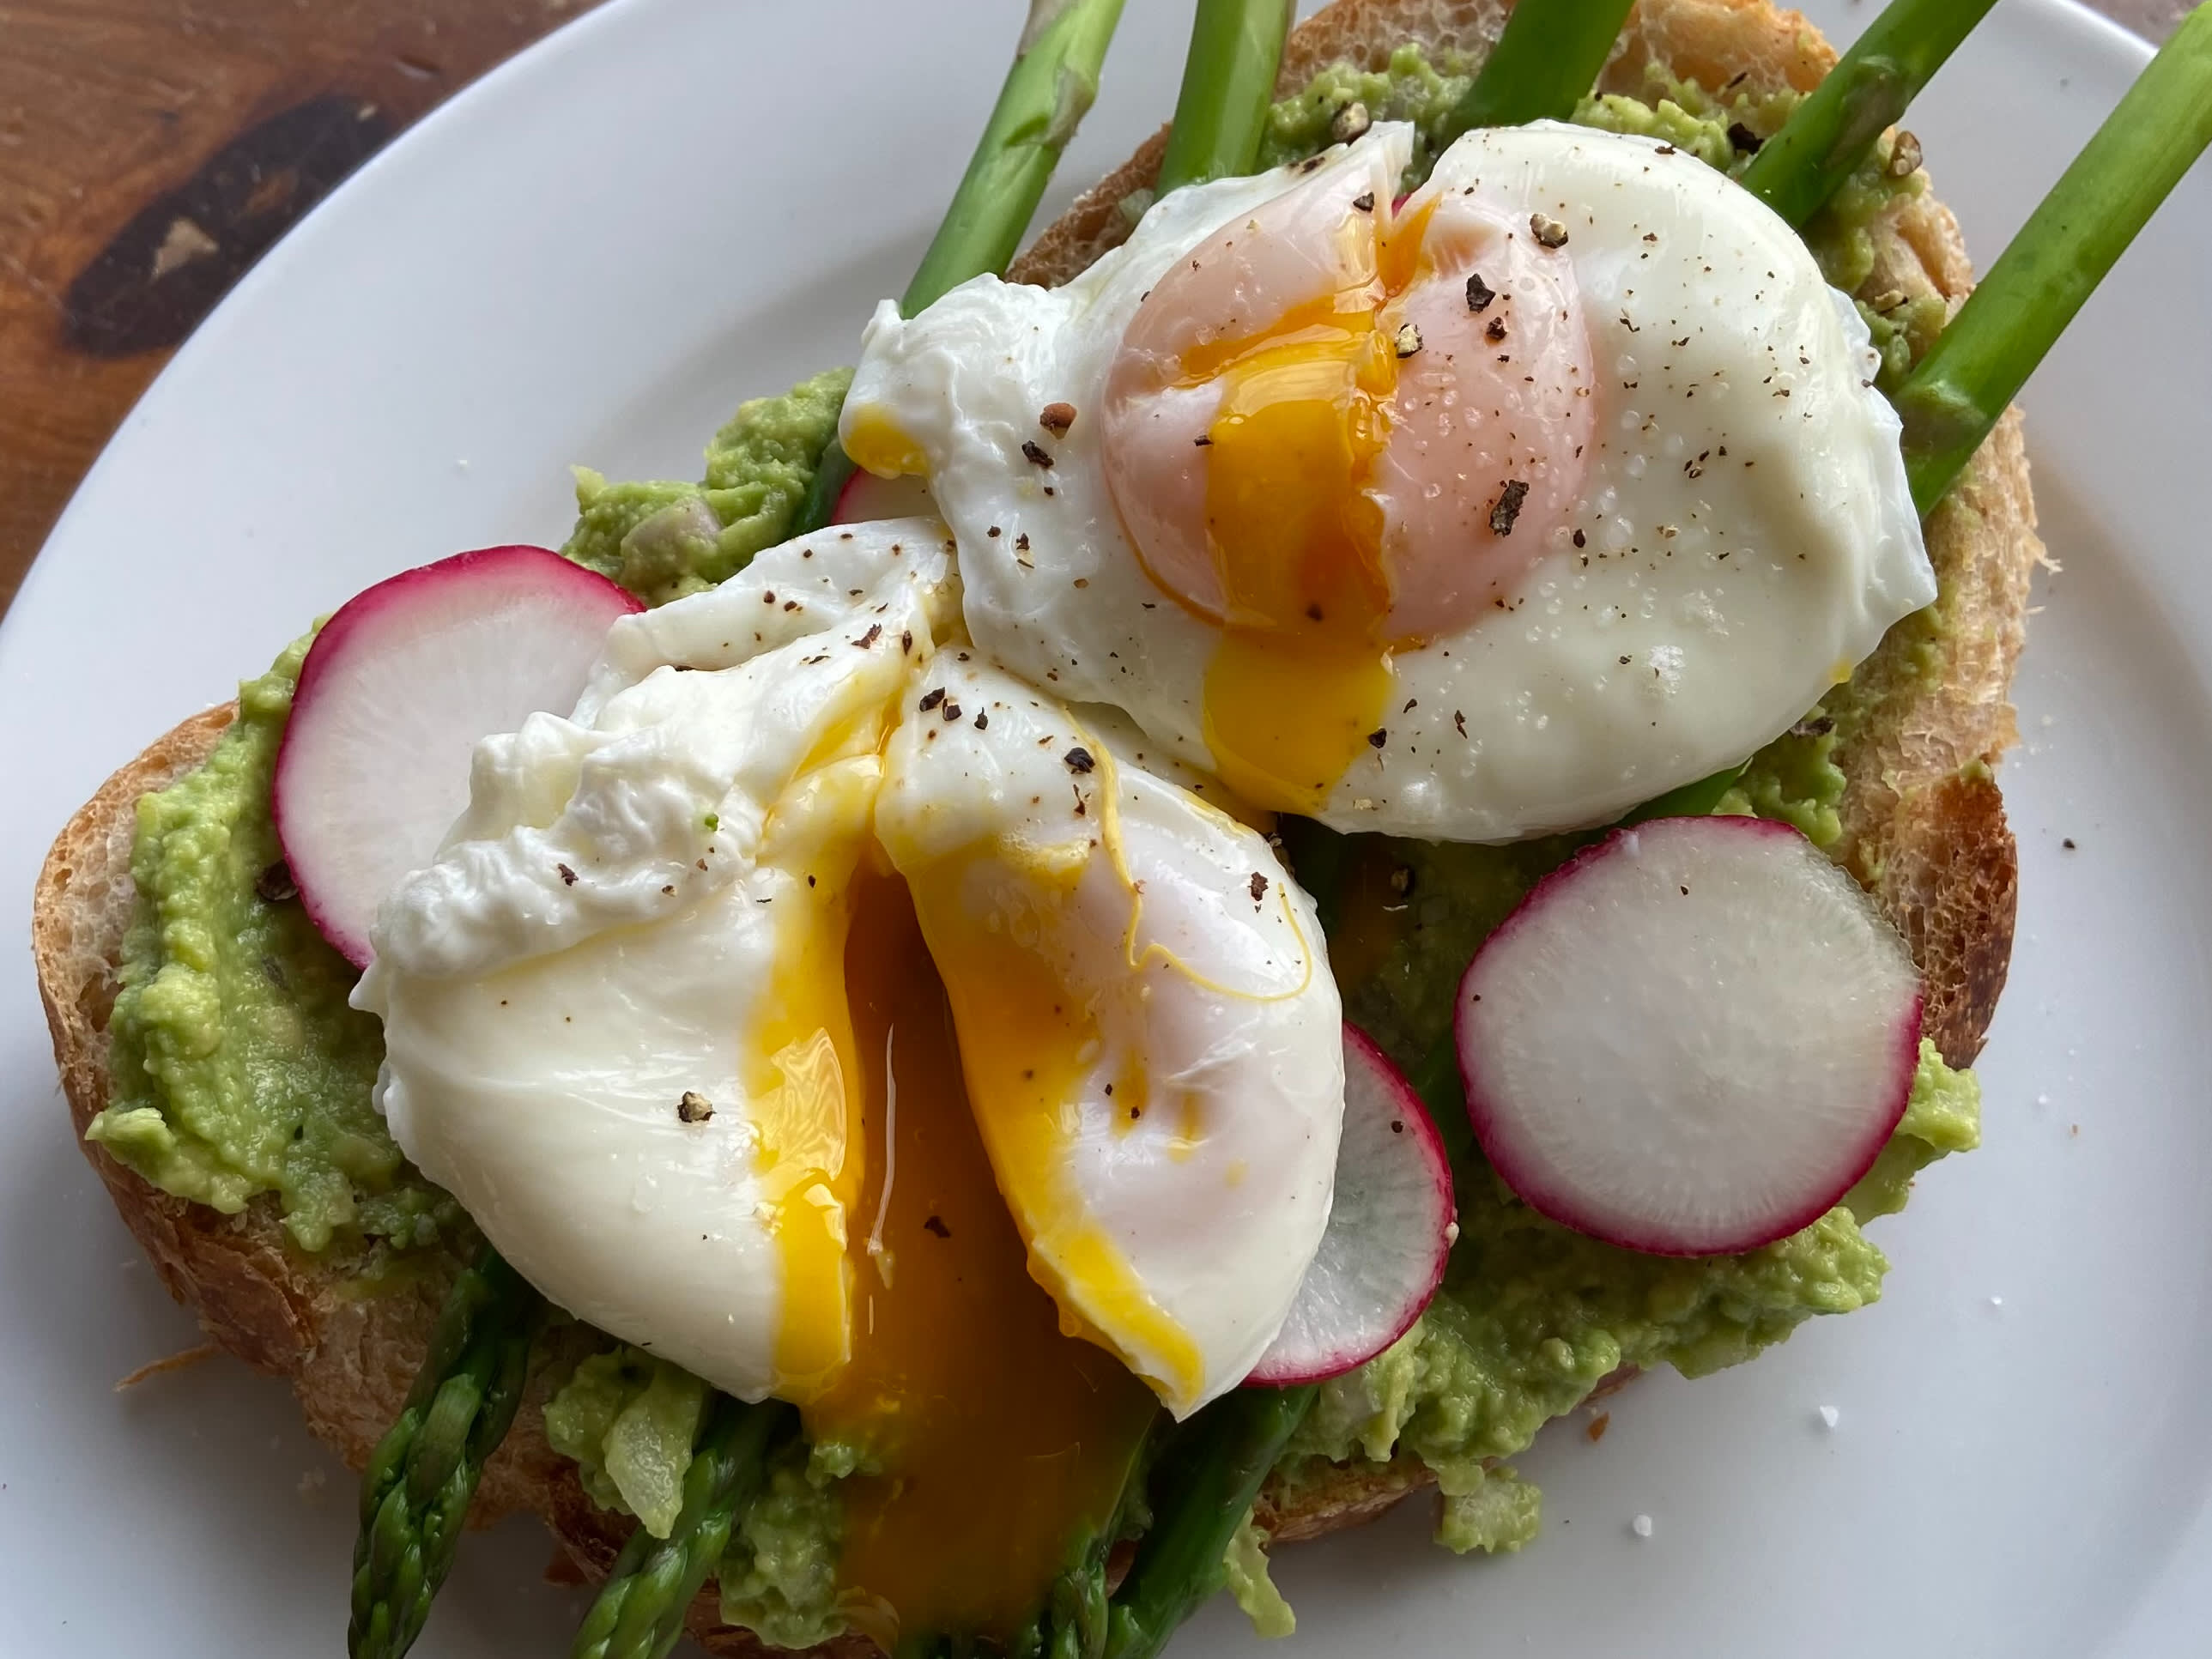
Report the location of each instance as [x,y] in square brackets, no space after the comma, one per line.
[1925,829]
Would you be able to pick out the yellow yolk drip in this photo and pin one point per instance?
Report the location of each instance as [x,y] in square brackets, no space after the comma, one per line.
[1302,675]
[805,1082]
[1001,1444]
[1025,1044]
[876,445]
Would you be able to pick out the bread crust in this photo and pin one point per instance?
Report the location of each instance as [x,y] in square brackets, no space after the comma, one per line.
[1924,829]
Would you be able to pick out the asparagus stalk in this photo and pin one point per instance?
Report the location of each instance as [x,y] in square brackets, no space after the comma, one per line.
[640,1612]
[2068,245]
[1550,54]
[415,1493]
[1209,1473]
[1228,81]
[1047,93]
[1829,134]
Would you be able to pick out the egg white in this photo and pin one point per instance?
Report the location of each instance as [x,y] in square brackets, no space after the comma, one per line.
[599,934]
[1747,533]
[1203,967]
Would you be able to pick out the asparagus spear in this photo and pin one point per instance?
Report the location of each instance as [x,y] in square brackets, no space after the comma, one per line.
[1830,133]
[1550,54]
[1209,1474]
[1988,350]
[640,1612]
[1228,81]
[415,1493]
[1047,93]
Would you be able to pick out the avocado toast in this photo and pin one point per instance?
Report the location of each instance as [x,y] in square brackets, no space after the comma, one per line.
[1918,819]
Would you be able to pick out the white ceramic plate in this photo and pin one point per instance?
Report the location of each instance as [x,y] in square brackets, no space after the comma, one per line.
[659,210]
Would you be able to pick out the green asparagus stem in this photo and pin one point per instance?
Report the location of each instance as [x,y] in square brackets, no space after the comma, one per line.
[1830,133]
[1209,1474]
[1047,93]
[1228,81]
[1550,54]
[415,1493]
[2063,251]
[640,1612]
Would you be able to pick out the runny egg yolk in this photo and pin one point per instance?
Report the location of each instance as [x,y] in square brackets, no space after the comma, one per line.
[1323,431]
[1296,540]
[996,1443]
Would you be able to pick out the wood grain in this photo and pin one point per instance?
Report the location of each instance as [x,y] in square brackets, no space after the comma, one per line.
[151,150]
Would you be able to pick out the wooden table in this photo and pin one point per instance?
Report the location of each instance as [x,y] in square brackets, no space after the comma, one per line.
[151,150]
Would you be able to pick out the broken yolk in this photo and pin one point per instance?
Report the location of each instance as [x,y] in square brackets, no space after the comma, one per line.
[1302,674]
[993,1445]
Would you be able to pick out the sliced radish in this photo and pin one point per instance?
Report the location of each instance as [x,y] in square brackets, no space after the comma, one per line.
[1389,1229]
[393,696]
[865,498]
[1692,1039]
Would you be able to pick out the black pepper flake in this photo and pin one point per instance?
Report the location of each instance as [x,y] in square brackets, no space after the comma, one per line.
[2068,844]
[936,1224]
[274,884]
[951,712]
[1259,887]
[1022,542]
[1507,508]
[1364,201]
[1080,760]
[1664,149]
[931,699]
[1035,452]
[1201,442]
[1459,720]
[567,876]
[1496,330]
[1580,540]
[694,1108]
[992,532]
[982,719]
[1057,418]
[1480,293]
[1742,139]
[875,632]
[1378,736]
[1548,233]
[905,642]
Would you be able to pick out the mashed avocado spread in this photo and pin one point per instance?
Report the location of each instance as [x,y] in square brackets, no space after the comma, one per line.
[238,1070]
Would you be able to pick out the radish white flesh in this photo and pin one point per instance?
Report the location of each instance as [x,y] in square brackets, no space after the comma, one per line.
[1390,1227]
[1692,1039]
[393,696]
[865,498]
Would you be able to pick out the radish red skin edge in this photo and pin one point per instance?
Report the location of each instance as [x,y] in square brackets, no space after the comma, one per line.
[1878,1031]
[866,498]
[1391,1230]
[315,799]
